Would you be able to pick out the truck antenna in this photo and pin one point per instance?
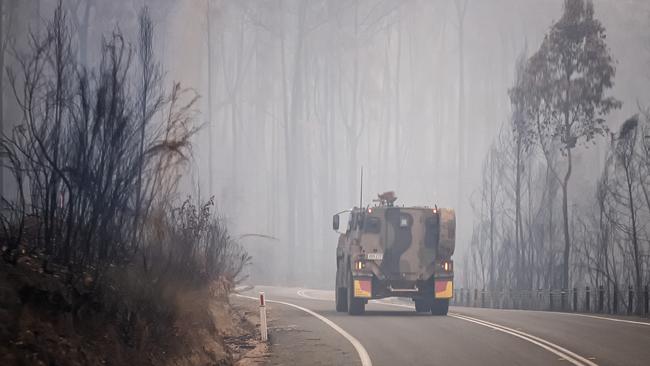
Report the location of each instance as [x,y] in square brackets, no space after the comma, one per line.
[361,193]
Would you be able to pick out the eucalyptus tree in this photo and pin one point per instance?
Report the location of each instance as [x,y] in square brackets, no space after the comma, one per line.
[567,103]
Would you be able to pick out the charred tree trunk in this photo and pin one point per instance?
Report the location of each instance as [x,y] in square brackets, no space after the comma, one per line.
[3,43]
[518,226]
[461,7]
[291,117]
[83,33]
[210,98]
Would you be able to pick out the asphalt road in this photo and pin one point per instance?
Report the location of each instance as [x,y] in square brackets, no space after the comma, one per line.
[391,333]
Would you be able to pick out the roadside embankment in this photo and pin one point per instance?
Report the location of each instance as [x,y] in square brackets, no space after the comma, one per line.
[48,318]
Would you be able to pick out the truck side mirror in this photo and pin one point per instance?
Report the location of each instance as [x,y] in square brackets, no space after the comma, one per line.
[335,222]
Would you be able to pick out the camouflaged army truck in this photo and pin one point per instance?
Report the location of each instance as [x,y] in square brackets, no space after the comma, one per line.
[390,251]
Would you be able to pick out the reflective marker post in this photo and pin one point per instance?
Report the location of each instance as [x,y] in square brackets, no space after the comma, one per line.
[263,328]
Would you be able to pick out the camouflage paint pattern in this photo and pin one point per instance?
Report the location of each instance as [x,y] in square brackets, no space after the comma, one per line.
[412,241]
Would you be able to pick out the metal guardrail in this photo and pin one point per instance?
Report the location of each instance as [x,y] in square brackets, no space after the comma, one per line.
[587,300]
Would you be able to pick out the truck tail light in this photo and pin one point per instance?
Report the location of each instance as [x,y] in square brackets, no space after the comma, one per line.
[447,266]
[359,265]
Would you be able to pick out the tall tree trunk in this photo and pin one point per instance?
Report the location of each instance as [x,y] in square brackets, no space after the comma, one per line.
[210,99]
[146,63]
[288,162]
[461,7]
[3,43]
[492,223]
[384,145]
[234,162]
[235,111]
[635,243]
[531,250]
[565,184]
[398,112]
[330,80]
[565,217]
[83,33]
[550,183]
[291,121]
[352,118]
[518,252]
[440,128]
[7,9]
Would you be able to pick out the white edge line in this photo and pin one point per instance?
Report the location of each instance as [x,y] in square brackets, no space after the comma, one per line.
[303,293]
[578,314]
[505,330]
[561,351]
[605,318]
[363,354]
[529,337]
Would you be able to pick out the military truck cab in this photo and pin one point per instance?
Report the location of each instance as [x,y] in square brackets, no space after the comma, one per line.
[390,251]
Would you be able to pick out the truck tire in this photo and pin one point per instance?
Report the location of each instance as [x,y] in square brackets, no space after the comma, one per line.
[340,292]
[355,306]
[440,306]
[341,296]
[422,305]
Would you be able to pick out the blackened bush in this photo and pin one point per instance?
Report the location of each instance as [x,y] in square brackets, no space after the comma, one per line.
[88,157]
[96,160]
[192,243]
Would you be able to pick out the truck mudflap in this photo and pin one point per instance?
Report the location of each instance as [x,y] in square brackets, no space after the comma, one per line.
[363,287]
[444,289]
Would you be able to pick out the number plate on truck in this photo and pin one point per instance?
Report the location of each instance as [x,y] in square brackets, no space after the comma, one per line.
[375,256]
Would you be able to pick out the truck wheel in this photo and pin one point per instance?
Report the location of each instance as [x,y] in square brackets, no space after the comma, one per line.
[341,296]
[440,306]
[422,305]
[340,292]
[355,306]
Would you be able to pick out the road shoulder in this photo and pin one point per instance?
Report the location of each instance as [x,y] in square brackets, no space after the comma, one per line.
[297,338]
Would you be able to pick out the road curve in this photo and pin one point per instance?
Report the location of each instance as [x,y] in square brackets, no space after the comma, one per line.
[393,334]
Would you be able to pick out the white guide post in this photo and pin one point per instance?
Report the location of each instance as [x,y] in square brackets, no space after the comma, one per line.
[263,328]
